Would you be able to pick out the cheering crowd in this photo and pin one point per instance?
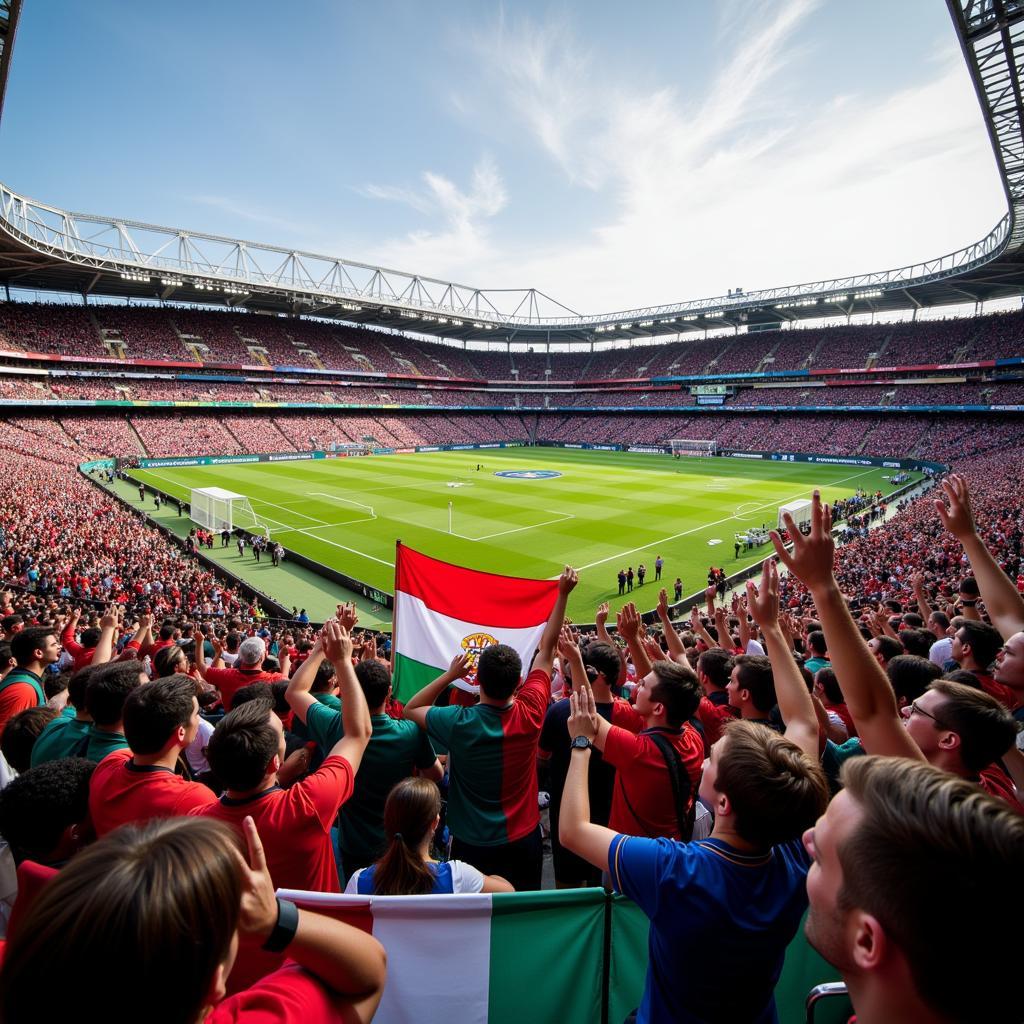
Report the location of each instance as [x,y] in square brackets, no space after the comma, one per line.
[842,737]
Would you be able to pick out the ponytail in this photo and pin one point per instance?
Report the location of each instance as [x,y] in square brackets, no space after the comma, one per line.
[409,814]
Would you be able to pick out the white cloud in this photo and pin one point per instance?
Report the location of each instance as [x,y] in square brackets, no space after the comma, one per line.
[462,237]
[747,183]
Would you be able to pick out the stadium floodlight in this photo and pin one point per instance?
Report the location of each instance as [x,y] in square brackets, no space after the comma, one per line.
[625,327]
[133,276]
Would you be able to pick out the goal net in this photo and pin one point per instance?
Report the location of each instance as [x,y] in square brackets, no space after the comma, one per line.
[216,509]
[799,510]
[348,448]
[693,446]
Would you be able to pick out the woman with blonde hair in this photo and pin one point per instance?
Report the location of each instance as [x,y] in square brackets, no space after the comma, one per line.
[411,816]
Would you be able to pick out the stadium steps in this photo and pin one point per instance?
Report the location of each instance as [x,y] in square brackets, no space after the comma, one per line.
[876,360]
[227,430]
[812,356]
[137,437]
[768,358]
[718,358]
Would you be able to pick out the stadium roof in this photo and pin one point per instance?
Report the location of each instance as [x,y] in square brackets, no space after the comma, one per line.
[45,247]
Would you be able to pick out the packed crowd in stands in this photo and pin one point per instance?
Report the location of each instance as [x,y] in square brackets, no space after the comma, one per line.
[811,728]
[840,739]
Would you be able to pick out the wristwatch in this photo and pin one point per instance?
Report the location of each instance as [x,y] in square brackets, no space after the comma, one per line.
[581,743]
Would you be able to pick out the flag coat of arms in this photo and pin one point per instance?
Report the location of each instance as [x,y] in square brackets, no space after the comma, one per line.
[442,610]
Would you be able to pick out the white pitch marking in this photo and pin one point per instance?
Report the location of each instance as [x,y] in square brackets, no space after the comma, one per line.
[705,526]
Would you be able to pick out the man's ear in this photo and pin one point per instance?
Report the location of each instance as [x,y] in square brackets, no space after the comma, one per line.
[870,943]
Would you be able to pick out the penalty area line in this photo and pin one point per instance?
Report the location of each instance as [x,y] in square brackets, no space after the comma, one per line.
[705,526]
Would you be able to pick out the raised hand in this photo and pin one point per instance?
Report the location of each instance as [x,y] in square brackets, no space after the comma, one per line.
[812,557]
[957,516]
[337,642]
[347,615]
[460,667]
[601,615]
[568,580]
[763,599]
[258,910]
[627,622]
[583,717]
[663,604]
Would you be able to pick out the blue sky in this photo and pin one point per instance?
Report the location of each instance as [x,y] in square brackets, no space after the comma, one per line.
[610,157]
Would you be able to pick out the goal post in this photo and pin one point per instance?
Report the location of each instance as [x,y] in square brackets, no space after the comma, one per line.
[800,511]
[693,447]
[348,448]
[216,509]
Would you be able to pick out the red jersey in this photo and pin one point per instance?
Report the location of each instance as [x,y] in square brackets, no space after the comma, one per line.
[1002,693]
[642,804]
[295,825]
[712,718]
[995,781]
[295,828]
[288,996]
[230,680]
[122,792]
[20,691]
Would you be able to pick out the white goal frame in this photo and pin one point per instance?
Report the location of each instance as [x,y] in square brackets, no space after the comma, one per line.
[698,447]
[217,509]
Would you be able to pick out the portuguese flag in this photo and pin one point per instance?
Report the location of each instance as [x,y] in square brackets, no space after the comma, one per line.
[442,610]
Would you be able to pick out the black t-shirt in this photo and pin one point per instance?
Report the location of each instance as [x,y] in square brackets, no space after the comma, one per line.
[554,737]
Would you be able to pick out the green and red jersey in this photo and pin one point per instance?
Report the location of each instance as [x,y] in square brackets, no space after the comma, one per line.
[492,795]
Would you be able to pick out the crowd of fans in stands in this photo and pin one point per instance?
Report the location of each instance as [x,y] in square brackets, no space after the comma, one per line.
[906,646]
[842,737]
[175,333]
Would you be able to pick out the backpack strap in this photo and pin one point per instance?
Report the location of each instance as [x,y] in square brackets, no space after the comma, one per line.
[686,809]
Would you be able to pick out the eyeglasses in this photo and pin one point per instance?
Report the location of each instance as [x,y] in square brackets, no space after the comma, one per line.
[914,709]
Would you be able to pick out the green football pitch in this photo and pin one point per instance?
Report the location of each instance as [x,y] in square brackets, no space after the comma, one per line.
[597,511]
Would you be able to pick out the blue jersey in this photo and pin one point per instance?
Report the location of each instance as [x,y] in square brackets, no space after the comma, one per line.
[718,917]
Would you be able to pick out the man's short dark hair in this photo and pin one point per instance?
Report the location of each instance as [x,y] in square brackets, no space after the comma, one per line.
[678,688]
[816,642]
[986,729]
[243,745]
[830,685]
[498,671]
[167,629]
[78,685]
[985,641]
[913,620]
[252,691]
[25,644]
[756,676]
[91,637]
[324,681]
[108,689]
[940,619]
[917,641]
[153,712]
[603,660]
[37,806]
[716,664]
[965,849]
[375,681]
[910,676]
[888,647]
[55,683]
[8,622]
[20,735]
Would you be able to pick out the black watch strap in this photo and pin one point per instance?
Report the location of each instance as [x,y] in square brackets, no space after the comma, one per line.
[284,931]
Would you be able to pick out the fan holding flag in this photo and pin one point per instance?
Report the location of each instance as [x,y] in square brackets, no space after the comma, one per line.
[492,797]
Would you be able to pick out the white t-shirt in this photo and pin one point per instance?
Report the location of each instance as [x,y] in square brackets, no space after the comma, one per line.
[941,651]
[465,878]
[195,752]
